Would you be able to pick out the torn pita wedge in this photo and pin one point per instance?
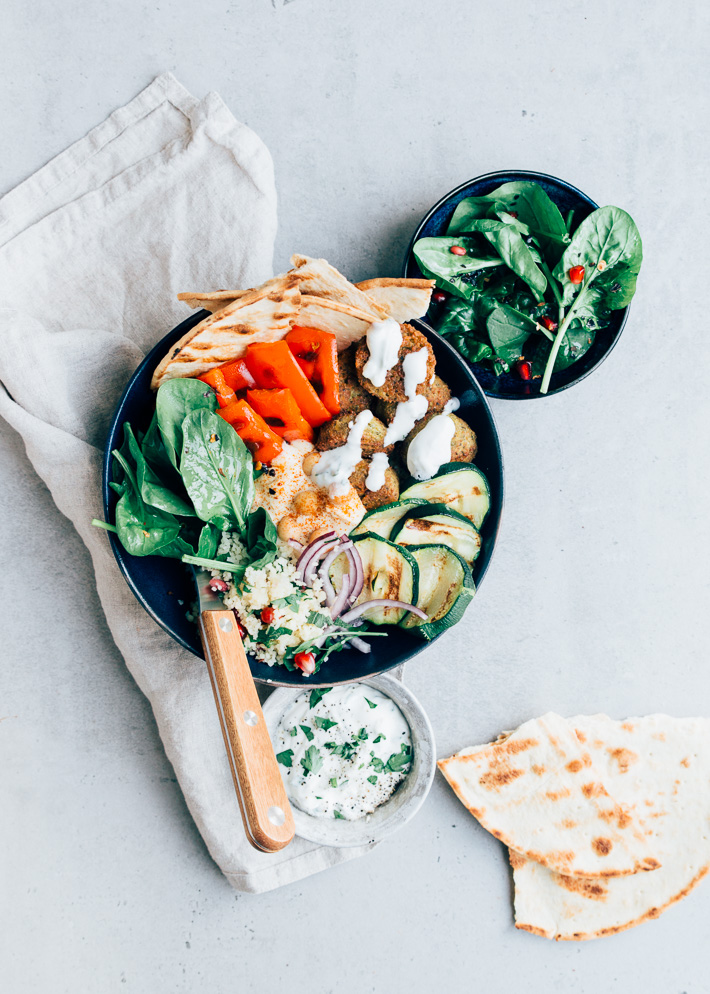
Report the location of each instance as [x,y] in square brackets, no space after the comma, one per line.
[261,315]
[320,279]
[402,299]
[538,791]
[348,324]
[659,768]
[211,301]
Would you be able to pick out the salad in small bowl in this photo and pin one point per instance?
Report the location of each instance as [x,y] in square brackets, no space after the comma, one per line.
[325,456]
[533,279]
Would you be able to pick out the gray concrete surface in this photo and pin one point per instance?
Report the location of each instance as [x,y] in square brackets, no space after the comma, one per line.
[597,597]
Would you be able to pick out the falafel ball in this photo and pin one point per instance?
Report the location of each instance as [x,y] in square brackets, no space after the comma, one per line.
[437,393]
[463,444]
[393,387]
[335,433]
[353,398]
[374,498]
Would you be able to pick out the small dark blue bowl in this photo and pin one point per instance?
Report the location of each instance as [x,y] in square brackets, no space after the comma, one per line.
[509,386]
[166,588]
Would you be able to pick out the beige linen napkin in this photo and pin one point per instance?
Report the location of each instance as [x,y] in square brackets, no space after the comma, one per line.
[170,193]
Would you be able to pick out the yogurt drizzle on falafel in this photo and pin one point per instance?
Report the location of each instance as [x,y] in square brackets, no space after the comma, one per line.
[384,340]
[413,409]
[431,447]
[335,466]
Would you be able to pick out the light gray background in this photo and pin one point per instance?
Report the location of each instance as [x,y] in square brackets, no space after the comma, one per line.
[597,596]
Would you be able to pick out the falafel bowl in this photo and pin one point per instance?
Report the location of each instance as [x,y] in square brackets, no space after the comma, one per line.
[312,445]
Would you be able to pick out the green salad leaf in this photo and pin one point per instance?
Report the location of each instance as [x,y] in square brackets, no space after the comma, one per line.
[216,467]
[174,401]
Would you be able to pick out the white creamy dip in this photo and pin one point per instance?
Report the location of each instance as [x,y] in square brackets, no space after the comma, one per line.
[376,474]
[384,339]
[431,447]
[413,409]
[346,754]
[335,466]
[451,405]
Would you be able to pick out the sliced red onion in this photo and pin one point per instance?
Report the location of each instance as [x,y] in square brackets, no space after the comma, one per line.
[295,544]
[343,545]
[341,600]
[359,577]
[314,551]
[355,612]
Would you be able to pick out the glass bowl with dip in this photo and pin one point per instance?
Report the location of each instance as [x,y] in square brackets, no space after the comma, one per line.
[357,759]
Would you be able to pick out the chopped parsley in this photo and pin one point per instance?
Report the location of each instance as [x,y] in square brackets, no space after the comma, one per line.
[379,738]
[324,723]
[362,735]
[316,618]
[370,703]
[337,814]
[317,696]
[312,760]
[345,749]
[270,634]
[307,732]
[376,763]
[294,602]
[372,779]
[398,760]
[294,730]
[285,758]
[333,781]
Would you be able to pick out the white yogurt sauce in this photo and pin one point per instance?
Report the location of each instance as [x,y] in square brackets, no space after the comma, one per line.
[451,405]
[335,466]
[413,409]
[376,474]
[431,447]
[384,339]
[344,756]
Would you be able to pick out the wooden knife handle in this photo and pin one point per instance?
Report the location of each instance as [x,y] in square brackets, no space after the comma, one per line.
[267,816]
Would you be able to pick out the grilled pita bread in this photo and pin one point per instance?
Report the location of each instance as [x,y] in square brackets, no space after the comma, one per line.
[348,324]
[261,315]
[538,791]
[320,279]
[402,299]
[211,301]
[658,767]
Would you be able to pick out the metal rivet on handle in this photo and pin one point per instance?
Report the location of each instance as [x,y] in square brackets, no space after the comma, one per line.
[276,815]
[225,624]
[250,718]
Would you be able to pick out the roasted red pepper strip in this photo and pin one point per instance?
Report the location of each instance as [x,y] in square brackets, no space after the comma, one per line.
[317,354]
[281,413]
[227,379]
[272,365]
[215,378]
[262,442]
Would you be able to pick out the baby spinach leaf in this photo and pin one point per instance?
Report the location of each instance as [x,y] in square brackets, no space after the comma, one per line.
[609,239]
[216,468]
[260,538]
[210,537]
[174,401]
[153,447]
[434,256]
[516,255]
[142,530]
[152,489]
[508,331]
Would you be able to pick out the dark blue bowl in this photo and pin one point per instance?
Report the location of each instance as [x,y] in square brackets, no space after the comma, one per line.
[509,386]
[166,588]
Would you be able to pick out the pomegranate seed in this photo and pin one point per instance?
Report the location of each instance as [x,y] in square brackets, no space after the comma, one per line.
[240,627]
[524,369]
[218,586]
[548,323]
[268,615]
[306,662]
[457,250]
[576,274]
[439,296]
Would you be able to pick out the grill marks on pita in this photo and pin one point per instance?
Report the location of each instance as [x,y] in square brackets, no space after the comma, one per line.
[313,294]
[538,791]
[658,771]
